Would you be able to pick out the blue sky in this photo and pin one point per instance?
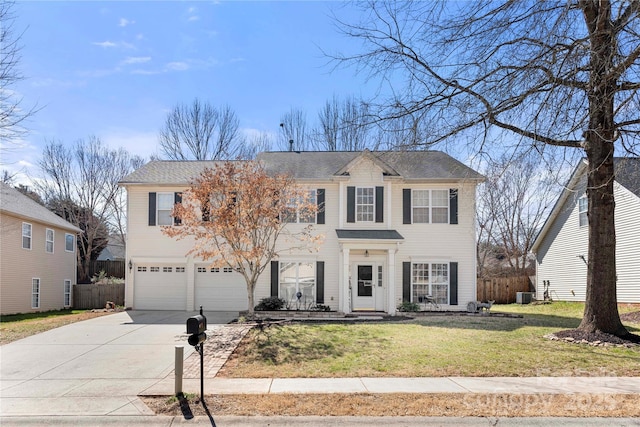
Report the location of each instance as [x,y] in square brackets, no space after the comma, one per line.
[115,69]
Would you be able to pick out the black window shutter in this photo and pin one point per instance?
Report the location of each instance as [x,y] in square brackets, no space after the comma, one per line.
[274,278]
[453,283]
[453,206]
[177,198]
[152,208]
[351,204]
[379,204]
[406,281]
[206,211]
[406,206]
[320,202]
[320,282]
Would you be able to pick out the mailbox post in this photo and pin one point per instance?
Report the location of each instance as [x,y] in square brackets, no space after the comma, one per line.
[196,327]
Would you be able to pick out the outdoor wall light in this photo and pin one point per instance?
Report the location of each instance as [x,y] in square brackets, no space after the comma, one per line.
[130,265]
[366,253]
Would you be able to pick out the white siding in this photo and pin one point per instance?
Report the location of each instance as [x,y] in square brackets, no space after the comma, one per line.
[559,255]
[430,242]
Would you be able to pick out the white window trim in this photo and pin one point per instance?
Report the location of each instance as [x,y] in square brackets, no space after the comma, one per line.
[30,236]
[34,294]
[313,196]
[158,210]
[67,293]
[297,262]
[47,241]
[73,242]
[430,207]
[580,212]
[373,205]
[430,264]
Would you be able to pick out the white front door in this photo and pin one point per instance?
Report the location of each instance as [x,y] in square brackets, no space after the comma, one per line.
[363,293]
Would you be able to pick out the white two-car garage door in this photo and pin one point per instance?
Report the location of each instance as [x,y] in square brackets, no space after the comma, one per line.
[160,287]
[220,289]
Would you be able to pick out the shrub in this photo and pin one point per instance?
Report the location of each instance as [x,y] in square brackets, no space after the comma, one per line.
[270,304]
[408,306]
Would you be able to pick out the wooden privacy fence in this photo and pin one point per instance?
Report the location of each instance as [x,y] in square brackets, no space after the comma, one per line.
[111,268]
[502,290]
[86,297]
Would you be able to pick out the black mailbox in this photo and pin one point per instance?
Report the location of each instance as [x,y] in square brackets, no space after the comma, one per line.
[196,324]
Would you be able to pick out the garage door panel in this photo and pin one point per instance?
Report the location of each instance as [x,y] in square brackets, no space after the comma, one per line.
[160,287]
[217,289]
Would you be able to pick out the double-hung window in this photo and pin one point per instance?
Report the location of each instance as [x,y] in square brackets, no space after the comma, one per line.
[583,205]
[67,293]
[49,238]
[430,206]
[69,242]
[430,280]
[294,211]
[35,293]
[365,204]
[164,207]
[298,283]
[26,235]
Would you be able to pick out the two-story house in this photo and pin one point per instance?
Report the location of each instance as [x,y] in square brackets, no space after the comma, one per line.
[37,256]
[561,247]
[397,226]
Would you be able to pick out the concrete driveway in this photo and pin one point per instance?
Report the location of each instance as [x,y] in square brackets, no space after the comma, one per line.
[94,367]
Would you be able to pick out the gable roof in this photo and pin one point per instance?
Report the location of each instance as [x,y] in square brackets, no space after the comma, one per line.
[318,166]
[627,171]
[627,174]
[14,202]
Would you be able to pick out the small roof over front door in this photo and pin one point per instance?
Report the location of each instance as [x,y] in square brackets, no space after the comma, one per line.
[386,235]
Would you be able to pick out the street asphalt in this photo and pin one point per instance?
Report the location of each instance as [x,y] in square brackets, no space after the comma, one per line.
[91,373]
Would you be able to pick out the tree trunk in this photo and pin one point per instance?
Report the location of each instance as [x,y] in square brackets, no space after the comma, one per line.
[250,291]
[601,308]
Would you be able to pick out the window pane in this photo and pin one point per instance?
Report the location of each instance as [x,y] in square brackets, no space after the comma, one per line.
[164,218]
[440,283]
[165,201]
[69,242]
[26,230]
[298,277]
[421,215]
[421,198]
[440,215]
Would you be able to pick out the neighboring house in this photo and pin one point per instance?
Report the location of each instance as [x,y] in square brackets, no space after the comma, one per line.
[561,247]
[114,251]
[37,256]
[397,226]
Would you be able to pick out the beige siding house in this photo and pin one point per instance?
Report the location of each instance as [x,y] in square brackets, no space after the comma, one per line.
[561,246]
[37,256]
[398,226]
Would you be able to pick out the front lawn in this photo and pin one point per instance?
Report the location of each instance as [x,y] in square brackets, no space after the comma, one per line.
[433,346]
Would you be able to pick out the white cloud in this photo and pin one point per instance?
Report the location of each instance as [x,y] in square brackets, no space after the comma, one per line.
[177,66]
[109,44]
[193,18]
[136,60]
[105,44]
[124,22]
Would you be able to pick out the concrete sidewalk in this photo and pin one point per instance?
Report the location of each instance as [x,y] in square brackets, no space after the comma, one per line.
[510,385]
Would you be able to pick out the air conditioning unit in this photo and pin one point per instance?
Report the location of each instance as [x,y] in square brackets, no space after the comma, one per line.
[524,297]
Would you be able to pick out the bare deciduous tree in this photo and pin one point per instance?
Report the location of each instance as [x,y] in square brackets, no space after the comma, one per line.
[559,74]
[513,204]
[12,113]
[233,213]
[82,182]
[343,125]
[293,127]
[201,131]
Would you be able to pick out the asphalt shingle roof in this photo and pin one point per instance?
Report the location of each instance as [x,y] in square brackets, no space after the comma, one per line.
[627,172]
[14,202]
[316,165]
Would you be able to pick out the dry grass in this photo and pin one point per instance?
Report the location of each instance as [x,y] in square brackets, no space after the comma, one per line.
[375,405]
[15,327]
[432,347]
